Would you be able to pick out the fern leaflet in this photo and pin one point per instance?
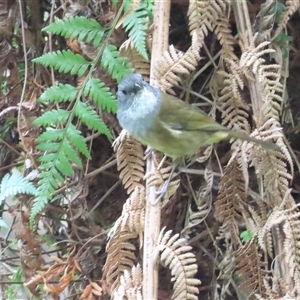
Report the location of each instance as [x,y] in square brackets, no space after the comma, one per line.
[52,117]
[14,184]
[135,25]
[59,93]
[64,61]
[116,66]
[91,118]
[78,27]
[100,95]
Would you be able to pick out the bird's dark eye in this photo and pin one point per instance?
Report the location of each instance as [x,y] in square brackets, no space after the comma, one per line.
[124,92]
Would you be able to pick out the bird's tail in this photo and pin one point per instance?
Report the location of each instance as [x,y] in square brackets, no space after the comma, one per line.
[242,136]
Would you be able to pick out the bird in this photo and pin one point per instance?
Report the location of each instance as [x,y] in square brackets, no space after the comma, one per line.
[168,124]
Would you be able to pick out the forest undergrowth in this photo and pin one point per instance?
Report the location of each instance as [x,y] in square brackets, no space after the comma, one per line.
[76,190]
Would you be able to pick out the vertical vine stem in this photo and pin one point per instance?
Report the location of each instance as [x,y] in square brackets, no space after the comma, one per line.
[153,212]
[246,36]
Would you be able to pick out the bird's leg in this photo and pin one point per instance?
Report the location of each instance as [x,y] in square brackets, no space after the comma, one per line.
[162,162]
[148,152]
[166,184]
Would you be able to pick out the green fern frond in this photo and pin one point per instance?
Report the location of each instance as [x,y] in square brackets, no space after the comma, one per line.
[47,184]
[48,146]
[62,163]
[116,66]
[52,117]
[135,25]
[59,93]
[71,154]
[77,140]
[81,28]
[64,61]
[14,184]
[38,205]
[91,118]
[100,94]
[55,166]
[51,135]
[60,149]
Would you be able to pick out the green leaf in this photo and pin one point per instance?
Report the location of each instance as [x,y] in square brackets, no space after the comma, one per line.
[279,8]
[59,93]
[77,140]
[52,117]
[64,61]
[63,165]
[100,94]
[51,135]
[78,27]
[47,158]
[14,184]
[52,178]
[39,204]
[53,147]
[117,67]
[246,236]
[71,153]
[91,118]
[135,25]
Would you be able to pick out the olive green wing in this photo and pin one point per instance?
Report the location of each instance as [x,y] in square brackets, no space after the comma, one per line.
[179,115]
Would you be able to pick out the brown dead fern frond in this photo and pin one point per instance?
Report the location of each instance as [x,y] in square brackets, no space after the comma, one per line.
[226,262]
[203,15]
[276,288]
[139,63]
[230,202]
[268,78]
[225,38]
[291,229]
[291,8]
[175,62]
[265,237]
[205,189]
[130,285]
[134,210]
[250,268]
[233,107]
[268,132]
[260,223]
[251,55]
[130,159]
[196,218]
[120,257]
[176,255]
[264,234]
[272,169]
[133,214]
[129,226]
[203,202]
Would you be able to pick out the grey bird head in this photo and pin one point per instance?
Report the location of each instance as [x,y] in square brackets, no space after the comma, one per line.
[129,87]
[138,104]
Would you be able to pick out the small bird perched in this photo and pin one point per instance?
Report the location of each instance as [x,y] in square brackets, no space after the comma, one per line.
[168,124]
